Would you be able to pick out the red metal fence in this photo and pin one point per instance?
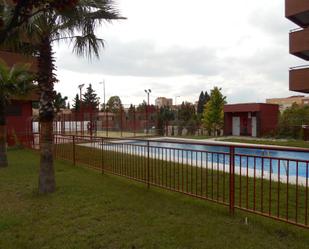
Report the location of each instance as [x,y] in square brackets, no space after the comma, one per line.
[265,180]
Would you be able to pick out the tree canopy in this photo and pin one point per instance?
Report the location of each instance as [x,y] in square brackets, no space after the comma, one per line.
[76,103]
[90,98]
[60,102]
[114,104]
[213,115]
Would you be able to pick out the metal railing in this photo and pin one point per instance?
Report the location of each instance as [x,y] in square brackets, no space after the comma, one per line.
[271,181]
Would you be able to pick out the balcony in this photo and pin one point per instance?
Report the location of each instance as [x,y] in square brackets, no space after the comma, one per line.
[15,58]
[298,12]
[299,79]
[299,43]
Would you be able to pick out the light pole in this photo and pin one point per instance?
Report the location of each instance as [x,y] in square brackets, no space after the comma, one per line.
[80,91]
[147,106]
[103,83]
[80,108]
[176,100]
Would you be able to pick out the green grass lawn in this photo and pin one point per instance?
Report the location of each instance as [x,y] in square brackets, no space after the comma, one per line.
[90,210]
[290,143]
[259,195]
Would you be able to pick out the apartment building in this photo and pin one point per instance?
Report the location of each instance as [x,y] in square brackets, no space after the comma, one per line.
[162,101]
[285,103]
[297,11]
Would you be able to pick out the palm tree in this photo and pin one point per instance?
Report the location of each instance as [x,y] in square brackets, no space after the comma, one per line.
[77,25]
[13,81]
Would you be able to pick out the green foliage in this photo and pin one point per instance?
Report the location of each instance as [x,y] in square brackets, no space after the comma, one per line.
[114,104]
[213,116]
[76,103]
[171,220]
[15,81]
[187,118]
[131,112]
[90,98]
[141,108]
[202,101]
[165,115]
[60,102]
[292,120]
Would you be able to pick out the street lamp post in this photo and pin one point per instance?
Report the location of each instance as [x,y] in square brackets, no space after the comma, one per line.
[176,100]
[147,106]
[103,83]
[80,108]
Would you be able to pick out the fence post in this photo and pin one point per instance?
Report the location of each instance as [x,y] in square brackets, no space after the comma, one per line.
[74,153]
[148,165]
[102,155]
[232,180]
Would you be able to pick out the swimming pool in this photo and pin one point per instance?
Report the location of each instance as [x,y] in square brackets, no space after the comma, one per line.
[286,164]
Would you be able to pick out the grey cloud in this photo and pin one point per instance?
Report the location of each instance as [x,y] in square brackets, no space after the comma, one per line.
[143,59]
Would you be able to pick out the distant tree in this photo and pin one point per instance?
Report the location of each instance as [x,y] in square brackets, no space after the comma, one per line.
[186,111]
[201,103]
[131,112]
[141,108]
[59,102]
[114,104]
[90,98]
[68,106]
[165,116]
[13,82]
[292,120]
[76,103]
[186,114]
[213,114]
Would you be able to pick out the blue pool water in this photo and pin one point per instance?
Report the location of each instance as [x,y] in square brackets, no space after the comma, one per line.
[290,163]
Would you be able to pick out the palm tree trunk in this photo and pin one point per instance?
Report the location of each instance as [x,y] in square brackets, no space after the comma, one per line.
[46,80]
[3,154]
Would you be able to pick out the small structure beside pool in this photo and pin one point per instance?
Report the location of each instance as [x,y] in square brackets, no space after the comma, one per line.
[250,119]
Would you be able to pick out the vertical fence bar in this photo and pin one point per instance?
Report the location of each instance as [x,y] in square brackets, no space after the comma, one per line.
[306,201]
[74,154]
[148,165]
[232,179]
[102,155]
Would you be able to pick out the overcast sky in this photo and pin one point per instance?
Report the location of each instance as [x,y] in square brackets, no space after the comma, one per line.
[179,48]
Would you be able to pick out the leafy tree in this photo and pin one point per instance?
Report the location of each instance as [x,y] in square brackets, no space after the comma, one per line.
[202,101]
[291,121]
[200,104]
[18,12]
[60,102]
[165,116]
[131,112]
[90,98]
[141,108]
[76,103]
[213,116]
[13,82]
[76,24]
[68,106]
[186,113]
[114,104]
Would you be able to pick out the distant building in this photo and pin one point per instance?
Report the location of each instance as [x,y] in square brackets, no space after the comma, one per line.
[19,118]
[162,101]
[285,103]
[250,119]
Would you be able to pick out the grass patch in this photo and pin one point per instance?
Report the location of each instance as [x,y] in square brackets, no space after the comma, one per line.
[289,143]
[90,210]
[259,195]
